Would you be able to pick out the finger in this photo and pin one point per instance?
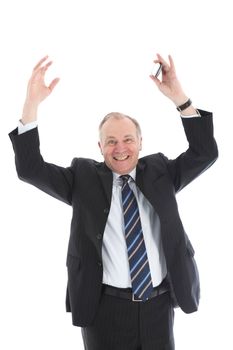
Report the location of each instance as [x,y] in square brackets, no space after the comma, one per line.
[44,69]
[40,62]
[155,80]
[162,60]
[165,65]
[172,65]
[53,84]
[40,72]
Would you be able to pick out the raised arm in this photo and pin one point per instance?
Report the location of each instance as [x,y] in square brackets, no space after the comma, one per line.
[202,151]
[170,86]
[37,91]
[55,180]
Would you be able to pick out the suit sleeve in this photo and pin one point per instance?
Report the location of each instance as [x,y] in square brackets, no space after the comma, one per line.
[31,167]
[200,155]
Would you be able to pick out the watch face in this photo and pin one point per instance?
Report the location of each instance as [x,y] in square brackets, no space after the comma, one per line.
[156,69]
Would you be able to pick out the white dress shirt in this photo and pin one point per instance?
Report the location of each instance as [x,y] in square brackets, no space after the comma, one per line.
[114,250]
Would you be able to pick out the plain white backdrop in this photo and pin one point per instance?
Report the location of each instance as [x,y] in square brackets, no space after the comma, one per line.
[103,53]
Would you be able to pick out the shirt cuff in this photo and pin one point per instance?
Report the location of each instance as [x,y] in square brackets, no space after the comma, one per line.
[24,128]
[191,115]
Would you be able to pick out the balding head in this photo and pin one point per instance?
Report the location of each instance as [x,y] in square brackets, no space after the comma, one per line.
[118,115]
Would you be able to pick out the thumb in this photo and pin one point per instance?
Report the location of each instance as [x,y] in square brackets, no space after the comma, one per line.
[53,84]
[155,80]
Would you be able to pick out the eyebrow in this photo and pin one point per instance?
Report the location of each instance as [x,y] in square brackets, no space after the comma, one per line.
[125,136]
[129,135]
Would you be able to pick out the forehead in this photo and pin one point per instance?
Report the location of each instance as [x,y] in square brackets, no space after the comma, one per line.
[118,127]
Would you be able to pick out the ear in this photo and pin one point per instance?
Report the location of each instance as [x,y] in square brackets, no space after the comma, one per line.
[99,144]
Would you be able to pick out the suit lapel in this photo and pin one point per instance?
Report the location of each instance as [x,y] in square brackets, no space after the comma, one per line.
[106,179]
[150,185]
[139,175]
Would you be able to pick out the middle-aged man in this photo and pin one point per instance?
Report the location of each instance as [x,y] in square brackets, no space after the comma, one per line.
[129,259]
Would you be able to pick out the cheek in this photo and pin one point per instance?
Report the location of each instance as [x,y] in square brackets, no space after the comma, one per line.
[135,150]
[106,153]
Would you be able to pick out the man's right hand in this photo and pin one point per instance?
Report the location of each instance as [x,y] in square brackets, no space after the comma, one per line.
[37,91]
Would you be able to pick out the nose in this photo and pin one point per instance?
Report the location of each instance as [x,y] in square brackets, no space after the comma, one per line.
[120,147]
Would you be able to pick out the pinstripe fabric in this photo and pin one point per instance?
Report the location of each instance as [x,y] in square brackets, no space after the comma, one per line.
[123,325]
[138,260]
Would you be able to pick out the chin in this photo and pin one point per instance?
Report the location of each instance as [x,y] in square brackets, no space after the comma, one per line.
[123,171]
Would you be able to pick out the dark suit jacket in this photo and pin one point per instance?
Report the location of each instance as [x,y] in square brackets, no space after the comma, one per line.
[87,186]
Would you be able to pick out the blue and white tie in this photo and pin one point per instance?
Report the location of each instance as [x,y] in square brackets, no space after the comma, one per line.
[138,261]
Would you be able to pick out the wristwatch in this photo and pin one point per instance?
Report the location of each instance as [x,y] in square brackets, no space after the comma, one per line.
[184,106]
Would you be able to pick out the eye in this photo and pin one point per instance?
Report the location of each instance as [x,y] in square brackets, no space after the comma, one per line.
[129,140]
[111,142]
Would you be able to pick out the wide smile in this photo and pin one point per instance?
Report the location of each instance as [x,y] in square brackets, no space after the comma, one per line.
[121,158]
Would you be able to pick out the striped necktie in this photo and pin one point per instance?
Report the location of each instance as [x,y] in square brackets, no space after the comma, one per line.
[138,260]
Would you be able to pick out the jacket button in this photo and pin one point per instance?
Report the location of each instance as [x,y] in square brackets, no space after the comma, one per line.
[99,263]
[106,210]
[99,236]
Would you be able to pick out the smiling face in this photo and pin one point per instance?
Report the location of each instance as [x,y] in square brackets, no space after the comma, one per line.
[120,144]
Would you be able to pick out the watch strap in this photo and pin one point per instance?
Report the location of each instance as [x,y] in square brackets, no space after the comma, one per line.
[184,106]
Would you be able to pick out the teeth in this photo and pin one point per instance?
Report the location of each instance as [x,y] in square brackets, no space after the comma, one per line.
[121,158]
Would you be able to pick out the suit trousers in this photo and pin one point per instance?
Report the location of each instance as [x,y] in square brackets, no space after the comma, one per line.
[122,324]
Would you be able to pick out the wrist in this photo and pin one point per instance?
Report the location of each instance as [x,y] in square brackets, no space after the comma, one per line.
[189,111]
[186,108]
[180,100]
[29,113]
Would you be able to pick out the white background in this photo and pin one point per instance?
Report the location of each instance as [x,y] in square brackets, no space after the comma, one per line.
[103,53]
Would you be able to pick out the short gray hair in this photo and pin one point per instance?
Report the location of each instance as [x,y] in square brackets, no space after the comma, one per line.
[118,115]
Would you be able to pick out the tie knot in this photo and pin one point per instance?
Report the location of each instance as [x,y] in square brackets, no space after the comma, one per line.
[124,178]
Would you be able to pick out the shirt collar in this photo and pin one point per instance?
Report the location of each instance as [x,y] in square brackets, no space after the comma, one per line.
[117,180]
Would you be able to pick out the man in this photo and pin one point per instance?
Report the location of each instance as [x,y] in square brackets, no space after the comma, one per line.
[129,259]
